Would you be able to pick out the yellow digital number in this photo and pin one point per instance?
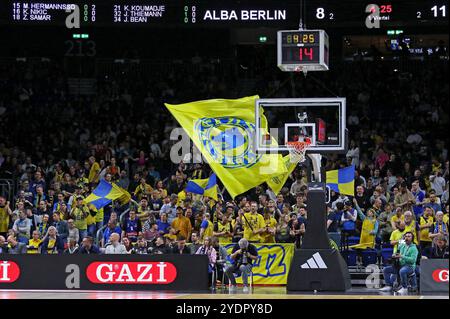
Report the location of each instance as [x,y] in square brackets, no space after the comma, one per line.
[311,38]
[305,38]
[289,39]
[295,38]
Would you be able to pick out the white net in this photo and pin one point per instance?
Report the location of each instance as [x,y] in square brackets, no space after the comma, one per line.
[297,150]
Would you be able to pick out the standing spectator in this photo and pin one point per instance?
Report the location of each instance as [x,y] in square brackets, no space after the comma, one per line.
[384,222]
[348,222]
[170,207]
[22,228]
[88,247]
[282,234]
[115,247]
[253,222]
[439,227]
[79,213]
[361,198]
[437,183]
[94,171]
[206,227]
[131,227]
[404,200]
[52,243]
[353,153]
[419,196]
[143,189]
[433,202]
[426,221]
[62,227]
[15,247]
[397,235]
[224,232]
[74,234]
[182,224]
[5,213]
[44,225]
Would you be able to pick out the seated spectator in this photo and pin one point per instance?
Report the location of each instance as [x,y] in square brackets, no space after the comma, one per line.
[406,258]
[128,244]
[242,255]
[22,227]
[141,247]
[52,243]
[73,232]
[115,247]
[207,249]
[439,227]
[88,247]
[159,247]
[151,231]
[195,243]
[72,247]
[181,248]
[34,244]
[15,247]
[440,248]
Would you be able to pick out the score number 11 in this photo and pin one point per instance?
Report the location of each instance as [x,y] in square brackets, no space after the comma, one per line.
[305,51]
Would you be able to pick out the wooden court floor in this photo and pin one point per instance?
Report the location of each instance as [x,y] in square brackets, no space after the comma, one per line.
[257,293]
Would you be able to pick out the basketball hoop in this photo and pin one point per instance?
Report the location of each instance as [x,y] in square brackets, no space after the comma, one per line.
[297,149]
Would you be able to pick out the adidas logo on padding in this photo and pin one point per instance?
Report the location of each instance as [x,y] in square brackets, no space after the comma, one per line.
[315,262]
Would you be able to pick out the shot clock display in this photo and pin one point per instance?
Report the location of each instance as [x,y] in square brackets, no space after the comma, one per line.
[307,49]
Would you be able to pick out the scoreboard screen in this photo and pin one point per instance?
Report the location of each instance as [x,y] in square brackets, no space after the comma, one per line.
[279,14]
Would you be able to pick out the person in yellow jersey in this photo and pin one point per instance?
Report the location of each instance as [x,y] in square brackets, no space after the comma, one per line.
[411,225]
[268,236]
[253,222]
[206,227]
[397,235]
[224,231]
[398,216]
[143,189]
[426,221]
[182,224]
[94,171]
[34,243]
[80,213]
[5,215]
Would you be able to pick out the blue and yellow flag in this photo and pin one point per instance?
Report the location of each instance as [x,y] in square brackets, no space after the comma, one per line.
[224,132]
[342,180]
[205,187]
[105,193]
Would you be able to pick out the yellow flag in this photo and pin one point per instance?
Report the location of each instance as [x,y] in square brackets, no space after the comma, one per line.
[277,182]
[224,132]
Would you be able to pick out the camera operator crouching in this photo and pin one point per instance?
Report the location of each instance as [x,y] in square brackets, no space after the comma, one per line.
[242,256]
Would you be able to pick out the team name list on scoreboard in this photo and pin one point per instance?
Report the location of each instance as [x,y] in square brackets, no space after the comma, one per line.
[140,13]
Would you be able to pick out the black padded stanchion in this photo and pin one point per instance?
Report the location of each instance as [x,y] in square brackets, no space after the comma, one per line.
[317,266]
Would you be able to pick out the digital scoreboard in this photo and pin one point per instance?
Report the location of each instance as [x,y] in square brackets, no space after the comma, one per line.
[305,50]
[318,14]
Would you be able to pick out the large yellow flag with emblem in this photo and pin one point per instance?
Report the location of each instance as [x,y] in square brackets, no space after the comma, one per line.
[224,132]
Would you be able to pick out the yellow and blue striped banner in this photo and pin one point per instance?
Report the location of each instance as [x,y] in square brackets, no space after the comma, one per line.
[105,193]
[205,187]
[342,180]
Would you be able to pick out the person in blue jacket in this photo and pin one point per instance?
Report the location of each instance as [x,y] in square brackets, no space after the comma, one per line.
[52,243]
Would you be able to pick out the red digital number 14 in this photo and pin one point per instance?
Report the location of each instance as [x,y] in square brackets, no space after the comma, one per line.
[305,51]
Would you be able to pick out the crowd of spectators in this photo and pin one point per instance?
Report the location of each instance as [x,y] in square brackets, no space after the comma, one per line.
[57,148]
